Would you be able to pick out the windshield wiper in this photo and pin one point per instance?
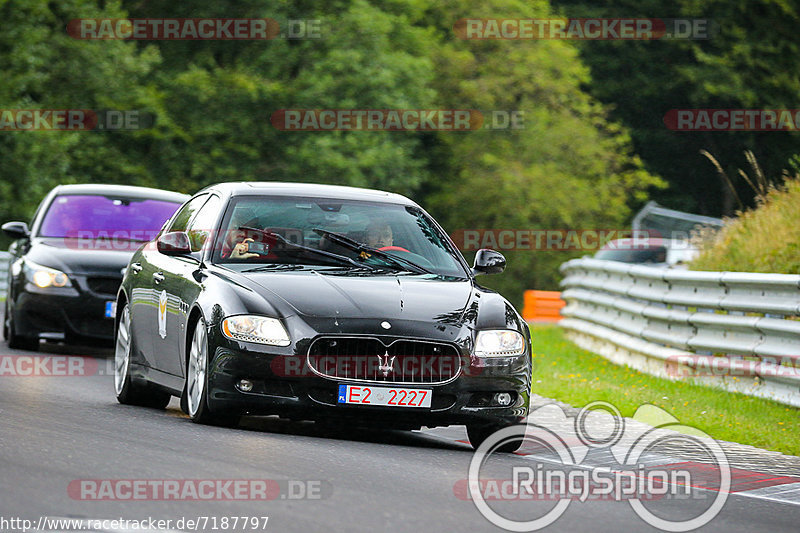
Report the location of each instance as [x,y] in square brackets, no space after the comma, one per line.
[366,251]
[275,266]
[341,259]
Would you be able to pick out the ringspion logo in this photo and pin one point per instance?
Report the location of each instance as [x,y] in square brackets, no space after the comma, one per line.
[633,469]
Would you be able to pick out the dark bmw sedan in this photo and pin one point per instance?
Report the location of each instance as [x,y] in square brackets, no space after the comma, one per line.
[319,303]
[66,269]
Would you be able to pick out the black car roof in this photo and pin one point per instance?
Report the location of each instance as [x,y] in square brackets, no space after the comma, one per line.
[311,190]
[125,191]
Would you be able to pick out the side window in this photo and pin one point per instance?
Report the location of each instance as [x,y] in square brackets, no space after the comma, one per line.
[181,220]
[202,226]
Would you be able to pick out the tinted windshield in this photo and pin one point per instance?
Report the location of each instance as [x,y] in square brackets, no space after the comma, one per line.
[649,255]
[401,231]
[97,217]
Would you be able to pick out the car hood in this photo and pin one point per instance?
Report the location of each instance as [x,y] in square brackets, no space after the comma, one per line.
[83,256]
[403,297]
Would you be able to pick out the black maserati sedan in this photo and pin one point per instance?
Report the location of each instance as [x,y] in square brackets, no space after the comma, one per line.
[318,302]
[66,268]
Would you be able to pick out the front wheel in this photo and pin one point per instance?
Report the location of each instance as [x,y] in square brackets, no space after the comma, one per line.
[194,400]
[479,433]
[128,391]
[17,342]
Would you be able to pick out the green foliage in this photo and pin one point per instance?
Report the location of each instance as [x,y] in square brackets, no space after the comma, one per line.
[765,239]
[45,68]
[569,167]
[750,62]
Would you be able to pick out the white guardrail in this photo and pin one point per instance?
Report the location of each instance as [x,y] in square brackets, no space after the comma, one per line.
[4,257]
[737,330]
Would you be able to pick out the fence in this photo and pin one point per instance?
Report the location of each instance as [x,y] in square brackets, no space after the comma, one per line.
[4,257]
[737,330]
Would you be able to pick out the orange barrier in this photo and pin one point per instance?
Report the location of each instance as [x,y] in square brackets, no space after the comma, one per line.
[542,306]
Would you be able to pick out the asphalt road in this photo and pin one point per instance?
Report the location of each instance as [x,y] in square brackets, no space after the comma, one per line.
[56,430]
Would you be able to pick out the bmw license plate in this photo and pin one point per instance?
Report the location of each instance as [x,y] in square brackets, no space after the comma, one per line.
[385,396]
[111,309]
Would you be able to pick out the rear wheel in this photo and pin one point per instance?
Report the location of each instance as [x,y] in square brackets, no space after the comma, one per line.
[479,433]
[195,392]
[128,391]
[17,342]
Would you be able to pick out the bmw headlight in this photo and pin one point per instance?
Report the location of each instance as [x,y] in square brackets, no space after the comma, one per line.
[260,329]
[499,343]
[44,277]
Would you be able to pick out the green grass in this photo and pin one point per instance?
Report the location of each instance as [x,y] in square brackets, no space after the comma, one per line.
[564,372]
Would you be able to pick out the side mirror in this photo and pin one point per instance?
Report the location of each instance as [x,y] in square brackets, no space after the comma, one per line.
[488,262]
[16,230]
[174,243]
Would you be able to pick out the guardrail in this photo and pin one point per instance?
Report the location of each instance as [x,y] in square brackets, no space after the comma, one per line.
[737,330]
[4,257]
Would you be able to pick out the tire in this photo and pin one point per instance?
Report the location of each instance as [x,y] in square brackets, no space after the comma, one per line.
[479,433]
[195,390]
[14,341]
[128,391]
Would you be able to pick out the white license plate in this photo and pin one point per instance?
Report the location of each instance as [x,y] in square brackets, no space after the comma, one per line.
[111,309]
[386,396]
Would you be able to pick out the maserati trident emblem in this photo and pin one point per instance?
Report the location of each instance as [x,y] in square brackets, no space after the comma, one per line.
[386,364]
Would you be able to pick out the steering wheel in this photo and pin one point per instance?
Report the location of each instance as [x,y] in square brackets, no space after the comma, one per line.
[393,249]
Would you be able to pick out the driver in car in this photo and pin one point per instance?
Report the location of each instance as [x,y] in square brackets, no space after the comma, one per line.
[379,235]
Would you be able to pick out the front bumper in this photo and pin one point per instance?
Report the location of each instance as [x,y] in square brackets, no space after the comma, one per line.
[64,314]
[466,400]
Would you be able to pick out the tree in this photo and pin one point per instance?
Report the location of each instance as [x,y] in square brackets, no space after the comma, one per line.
[44,68]
[749,61]
[569,168]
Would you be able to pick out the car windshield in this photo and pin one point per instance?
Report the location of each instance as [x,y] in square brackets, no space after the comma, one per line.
[102,217]
[648,255]
[334,232]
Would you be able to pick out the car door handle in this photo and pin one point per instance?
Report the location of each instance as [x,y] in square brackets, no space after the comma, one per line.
[158,277]
[136,268]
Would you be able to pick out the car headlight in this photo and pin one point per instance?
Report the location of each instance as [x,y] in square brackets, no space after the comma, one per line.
[499,343]
[44,277]
[260,329]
